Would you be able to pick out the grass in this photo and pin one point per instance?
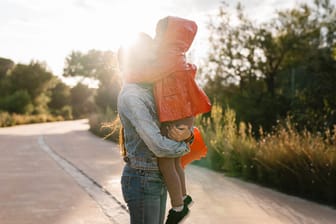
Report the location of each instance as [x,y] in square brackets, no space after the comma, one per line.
[7,119]
[298,163]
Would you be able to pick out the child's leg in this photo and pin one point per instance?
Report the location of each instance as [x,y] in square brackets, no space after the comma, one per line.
[180,172]
[172,174]
[172,180]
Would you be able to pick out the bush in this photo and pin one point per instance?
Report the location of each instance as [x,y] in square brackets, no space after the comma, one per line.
[105,125]
[303,164]
[299,163]
[19,102]
[65,112]
[227,150]
[7,119]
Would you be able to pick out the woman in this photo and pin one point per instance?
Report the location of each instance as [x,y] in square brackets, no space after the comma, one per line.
[142,183]
[177,95]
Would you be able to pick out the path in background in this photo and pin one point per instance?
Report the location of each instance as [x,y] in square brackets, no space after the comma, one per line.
[60,173]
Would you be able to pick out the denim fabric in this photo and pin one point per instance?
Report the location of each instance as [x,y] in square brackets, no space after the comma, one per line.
[143,140]
[145,194]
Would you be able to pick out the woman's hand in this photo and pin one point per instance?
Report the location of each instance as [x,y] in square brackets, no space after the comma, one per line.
[180,133]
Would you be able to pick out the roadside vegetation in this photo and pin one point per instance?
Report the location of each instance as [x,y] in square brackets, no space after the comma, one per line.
[300,163]
[30,93]
[273,120]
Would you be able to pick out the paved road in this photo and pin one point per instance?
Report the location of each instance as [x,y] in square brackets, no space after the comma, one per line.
[59,173]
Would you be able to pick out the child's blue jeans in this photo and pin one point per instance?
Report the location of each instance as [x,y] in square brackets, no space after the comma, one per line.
[145,193]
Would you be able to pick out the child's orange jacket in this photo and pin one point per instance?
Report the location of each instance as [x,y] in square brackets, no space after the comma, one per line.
[176,93]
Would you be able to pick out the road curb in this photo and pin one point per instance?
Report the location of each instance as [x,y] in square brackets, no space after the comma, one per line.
[112,208]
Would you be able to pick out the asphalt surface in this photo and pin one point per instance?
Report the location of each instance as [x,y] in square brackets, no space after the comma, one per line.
[60,173]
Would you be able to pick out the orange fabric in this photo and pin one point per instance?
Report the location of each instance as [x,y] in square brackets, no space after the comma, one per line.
[198,149]
[178,96]
[176,93]
[175,42]
[178,36]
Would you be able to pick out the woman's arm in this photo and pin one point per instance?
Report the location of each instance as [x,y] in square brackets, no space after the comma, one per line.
[147,128]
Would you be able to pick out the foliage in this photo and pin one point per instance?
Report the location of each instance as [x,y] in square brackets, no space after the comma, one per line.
[30,94]
[299,163]
[224,137]
[60,96]
[7,119]
[18,102]
[105,125]
[107,94]
[259,69]
[5,66]
[25,88]
[101,66]
[213,139]
[34,78]
[93,64]
[32,89]
[82,100]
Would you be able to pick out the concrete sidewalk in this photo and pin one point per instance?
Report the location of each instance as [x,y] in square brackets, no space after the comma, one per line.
[37,189]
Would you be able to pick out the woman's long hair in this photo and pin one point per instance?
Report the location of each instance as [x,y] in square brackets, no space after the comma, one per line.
[123,152]
[114,126]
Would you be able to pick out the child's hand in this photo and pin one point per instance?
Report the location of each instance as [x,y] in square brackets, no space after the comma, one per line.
[180,133]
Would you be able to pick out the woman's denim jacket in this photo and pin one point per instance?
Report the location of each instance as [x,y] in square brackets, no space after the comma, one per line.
[143,140]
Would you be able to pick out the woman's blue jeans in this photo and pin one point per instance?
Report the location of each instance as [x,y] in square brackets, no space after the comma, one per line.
[145,193]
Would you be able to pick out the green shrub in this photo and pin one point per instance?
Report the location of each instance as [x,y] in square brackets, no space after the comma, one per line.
[18,102]
[299,163]
[105,125]
[7,119]
[65,112]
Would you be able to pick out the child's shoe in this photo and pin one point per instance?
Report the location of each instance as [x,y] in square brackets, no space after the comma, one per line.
[188,200]
[175,217]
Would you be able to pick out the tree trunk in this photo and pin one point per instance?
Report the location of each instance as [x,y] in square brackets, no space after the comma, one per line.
[270,84]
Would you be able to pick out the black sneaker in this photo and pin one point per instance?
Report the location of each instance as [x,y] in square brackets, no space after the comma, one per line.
[188,201]
[175,217]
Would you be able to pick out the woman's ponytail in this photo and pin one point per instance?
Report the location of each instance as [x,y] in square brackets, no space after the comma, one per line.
[123,152]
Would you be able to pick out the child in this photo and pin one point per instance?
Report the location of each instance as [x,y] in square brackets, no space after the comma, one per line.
[177,96]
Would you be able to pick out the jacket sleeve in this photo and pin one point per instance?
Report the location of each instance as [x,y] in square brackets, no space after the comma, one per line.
[147,128]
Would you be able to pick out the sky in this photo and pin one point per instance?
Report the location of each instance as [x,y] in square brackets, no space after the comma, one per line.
[48,30]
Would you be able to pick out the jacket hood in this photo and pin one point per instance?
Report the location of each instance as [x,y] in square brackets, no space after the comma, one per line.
[179,34]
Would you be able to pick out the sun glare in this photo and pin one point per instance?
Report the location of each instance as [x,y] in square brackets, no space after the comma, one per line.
[114,25]
[129,20]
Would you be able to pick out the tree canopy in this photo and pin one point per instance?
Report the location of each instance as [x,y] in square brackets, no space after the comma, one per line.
[98,65]
[284,66]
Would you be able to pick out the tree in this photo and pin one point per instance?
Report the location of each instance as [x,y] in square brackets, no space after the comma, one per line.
[234,55]
[107,93]
[260,60]
[25,87]
[33,77]
[246,55]
[5,66]
[60,96]
[18,102]
[313,31]
[98,65]
[82,100]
